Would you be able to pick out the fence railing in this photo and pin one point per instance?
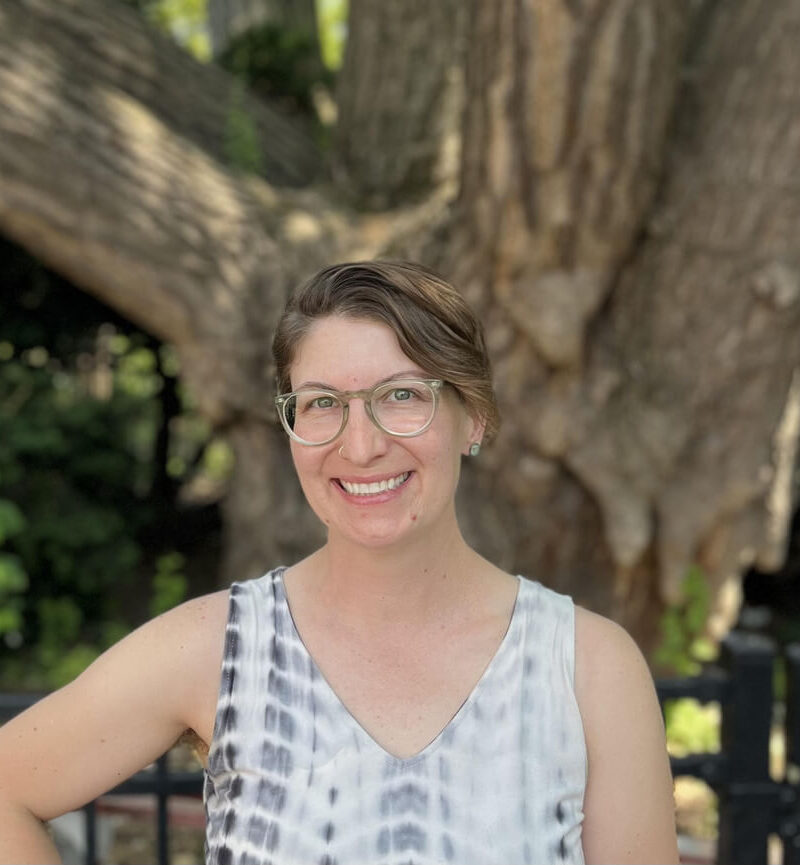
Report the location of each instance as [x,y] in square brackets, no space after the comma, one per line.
[752,805]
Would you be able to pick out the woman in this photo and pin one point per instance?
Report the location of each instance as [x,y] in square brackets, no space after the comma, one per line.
[393,697]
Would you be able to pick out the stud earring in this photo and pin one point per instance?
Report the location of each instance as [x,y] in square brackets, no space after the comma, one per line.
[474,449]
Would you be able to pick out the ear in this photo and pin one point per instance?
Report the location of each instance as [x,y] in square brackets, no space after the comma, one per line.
[474,430]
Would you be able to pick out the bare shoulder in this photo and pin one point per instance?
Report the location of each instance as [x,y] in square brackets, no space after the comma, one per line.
[594,632]
[626,748]
[121,713]
[198,624]
[613,684]
[181,642]
[189,642]
[606,656]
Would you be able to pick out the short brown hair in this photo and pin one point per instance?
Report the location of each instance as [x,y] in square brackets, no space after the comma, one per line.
[433,323]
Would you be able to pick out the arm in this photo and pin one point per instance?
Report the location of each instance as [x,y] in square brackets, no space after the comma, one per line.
[629,810]
[122,713]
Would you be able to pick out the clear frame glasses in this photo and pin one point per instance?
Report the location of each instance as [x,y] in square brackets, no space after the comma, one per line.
[401,407]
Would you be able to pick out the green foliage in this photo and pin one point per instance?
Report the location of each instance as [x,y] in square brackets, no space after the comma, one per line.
[81,404]
[683,646]
[11,520]
[278,64]
[691,726]
[69,464]
[169,584]
[218,459]
[13,579]
[184,20]
[332,18]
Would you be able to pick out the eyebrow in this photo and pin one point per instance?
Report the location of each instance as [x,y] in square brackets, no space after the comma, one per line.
[415,373]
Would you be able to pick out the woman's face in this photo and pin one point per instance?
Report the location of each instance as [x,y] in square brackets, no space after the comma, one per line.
[353,354]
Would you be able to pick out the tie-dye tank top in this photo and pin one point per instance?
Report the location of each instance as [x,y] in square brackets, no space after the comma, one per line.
[293,779]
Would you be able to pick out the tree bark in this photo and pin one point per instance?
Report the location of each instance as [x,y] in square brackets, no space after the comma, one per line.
[93,45]
[567,107]
[696,351]
[642,374]
[400,95]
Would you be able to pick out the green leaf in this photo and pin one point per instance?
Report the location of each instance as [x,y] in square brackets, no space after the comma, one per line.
[12,520]
[169,583]
[13,578]
[692,727]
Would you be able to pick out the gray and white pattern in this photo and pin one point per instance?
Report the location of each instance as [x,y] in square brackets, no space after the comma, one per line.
[293,779]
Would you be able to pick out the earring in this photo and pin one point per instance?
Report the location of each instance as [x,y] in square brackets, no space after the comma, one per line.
[474,449]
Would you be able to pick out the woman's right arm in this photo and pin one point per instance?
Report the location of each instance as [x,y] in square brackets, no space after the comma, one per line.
[118,716]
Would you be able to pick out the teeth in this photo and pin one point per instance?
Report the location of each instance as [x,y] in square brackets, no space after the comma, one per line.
[378,487]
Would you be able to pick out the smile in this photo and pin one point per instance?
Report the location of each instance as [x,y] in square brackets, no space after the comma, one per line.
[376,487]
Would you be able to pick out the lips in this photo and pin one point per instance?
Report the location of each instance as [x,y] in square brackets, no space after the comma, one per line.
[374,487]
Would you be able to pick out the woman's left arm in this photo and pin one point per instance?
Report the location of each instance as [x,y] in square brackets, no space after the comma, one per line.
[629,810]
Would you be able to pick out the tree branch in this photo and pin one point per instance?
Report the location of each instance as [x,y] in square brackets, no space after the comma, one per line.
[88,41]
[97,185]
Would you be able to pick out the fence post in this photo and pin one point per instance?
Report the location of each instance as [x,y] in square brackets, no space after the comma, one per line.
[747,802]
[90,816]
[162,818]
[790,827]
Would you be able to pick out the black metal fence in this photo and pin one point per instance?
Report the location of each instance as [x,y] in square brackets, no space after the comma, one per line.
[752,806]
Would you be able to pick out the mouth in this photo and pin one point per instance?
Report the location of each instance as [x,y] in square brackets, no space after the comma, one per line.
[371,489]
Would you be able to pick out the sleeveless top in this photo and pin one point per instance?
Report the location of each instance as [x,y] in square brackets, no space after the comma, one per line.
[293,779]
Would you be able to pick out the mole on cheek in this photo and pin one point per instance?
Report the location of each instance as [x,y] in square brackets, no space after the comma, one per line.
[413,516]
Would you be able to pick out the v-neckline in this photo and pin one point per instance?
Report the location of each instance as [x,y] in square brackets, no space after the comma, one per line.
[456,717]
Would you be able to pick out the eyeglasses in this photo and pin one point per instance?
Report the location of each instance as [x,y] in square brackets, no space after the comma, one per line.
[401,407]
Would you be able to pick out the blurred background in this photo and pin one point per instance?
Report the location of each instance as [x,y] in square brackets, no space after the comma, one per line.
[614,186]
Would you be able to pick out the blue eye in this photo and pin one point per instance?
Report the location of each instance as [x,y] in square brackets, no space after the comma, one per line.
[322,402]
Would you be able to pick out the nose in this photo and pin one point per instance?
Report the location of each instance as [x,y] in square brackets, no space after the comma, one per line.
[362,441]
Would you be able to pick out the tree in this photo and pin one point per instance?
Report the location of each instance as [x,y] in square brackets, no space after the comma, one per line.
[624,215]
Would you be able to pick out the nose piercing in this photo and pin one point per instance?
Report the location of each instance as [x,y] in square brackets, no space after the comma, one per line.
[341,448]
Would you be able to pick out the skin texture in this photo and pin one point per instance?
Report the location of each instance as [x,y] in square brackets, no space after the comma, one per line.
[628,804]
[423,506]
[394,586]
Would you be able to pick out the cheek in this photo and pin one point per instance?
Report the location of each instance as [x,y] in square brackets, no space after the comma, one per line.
[306,465]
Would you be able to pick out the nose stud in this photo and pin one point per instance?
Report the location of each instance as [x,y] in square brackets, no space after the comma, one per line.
[341,448]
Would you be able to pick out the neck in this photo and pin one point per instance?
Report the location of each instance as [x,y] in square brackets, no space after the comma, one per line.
[410,583]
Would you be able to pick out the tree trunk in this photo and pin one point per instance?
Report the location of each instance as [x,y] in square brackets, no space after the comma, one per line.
[641,289]
[400,96]
[229,18]
[695,353]
[642,375]
[567,106]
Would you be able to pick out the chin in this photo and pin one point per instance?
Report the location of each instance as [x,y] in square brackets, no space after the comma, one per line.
[374,536]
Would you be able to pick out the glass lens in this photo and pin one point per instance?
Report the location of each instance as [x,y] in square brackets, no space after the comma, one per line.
[403,407]
[314,416]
